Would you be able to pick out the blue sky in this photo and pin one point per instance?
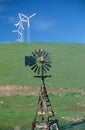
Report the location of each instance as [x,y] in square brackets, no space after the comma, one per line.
[55,20]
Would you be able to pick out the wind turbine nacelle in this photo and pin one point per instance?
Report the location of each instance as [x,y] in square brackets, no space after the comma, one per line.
[29,60]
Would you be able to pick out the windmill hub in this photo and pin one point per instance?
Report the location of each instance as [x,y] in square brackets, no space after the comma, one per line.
[40,60]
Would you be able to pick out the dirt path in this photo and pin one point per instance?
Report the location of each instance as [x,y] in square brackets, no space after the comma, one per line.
[18,90]
[30,90]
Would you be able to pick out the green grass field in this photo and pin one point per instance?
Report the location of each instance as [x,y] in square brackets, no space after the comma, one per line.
[68,73]
[68,64]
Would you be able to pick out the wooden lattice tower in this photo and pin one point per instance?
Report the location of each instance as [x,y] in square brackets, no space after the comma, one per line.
[44,118]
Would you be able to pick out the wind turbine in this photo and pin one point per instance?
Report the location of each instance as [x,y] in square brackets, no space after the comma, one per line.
[27,19]
[20,22]
[20,26]
[19,35]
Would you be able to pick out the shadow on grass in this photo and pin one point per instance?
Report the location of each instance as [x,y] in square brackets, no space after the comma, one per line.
[74,126]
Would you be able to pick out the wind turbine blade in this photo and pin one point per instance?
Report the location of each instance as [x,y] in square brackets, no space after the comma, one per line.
[32,15]
[20,25]
[14,30]
[19,16]
[18,32]
[23,20]
[24,16]
[17,23]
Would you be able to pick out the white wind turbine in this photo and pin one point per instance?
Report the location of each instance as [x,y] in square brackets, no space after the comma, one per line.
[19,35]
[27,19]
[20,26]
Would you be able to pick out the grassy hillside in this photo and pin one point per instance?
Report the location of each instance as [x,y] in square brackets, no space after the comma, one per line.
[68,64]
[67,93]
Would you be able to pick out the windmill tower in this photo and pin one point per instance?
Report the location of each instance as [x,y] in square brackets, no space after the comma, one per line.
[45,119]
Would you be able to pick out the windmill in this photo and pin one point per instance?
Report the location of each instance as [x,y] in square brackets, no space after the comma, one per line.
[40,63]
[27,19]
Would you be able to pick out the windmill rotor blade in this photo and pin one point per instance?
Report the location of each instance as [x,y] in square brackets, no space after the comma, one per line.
[48,61]
[47,58]
[35,70]
[35,53]
[49,65]
[42,52]
[38,71]
[44,69]
[39,52]
[33,67]
[47,68]
[46,55]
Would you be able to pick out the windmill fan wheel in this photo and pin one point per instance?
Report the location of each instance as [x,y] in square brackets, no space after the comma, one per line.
[39,61]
